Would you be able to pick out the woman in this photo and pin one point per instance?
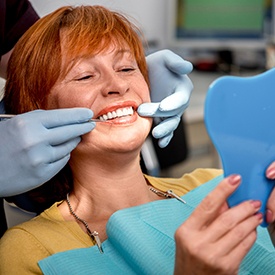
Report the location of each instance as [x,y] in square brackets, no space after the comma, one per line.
[92,57]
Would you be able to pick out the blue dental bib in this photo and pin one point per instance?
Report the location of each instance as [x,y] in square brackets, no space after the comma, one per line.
[141,241]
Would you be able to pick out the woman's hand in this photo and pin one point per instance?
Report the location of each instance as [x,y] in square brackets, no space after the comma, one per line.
[215,239]
[270,217]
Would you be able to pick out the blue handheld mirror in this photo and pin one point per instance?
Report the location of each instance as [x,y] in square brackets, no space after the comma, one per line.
[240,120]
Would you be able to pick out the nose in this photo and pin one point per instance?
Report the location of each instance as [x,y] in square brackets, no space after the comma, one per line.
[114,84]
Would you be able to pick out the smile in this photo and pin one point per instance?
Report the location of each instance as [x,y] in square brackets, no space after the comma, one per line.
[121,112]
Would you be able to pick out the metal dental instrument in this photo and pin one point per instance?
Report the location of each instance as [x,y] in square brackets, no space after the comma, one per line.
[95,120]
[7,116]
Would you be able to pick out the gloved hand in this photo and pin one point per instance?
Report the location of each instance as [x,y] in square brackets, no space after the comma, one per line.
[36,145]
[170,93]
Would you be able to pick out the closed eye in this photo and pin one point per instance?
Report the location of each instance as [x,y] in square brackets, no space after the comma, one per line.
[84,77]
[127,69]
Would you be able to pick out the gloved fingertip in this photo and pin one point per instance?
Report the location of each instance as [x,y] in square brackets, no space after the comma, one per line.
[88,113]
[142,110]
[189,67]
[88,127]
[177,64]
[82,114]
[183,67]
[148,109]
[163,142]
[93,125]
[159,131]
[166,127]
[176,101]
[74,143]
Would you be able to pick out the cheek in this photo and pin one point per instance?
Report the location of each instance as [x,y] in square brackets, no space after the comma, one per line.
[58,100]
[143,91]
[52,102]
[146,95]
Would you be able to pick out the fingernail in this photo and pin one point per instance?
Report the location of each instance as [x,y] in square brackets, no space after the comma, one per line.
[270,173]
[256,204]
[269,216]
[260,217]
[234,179]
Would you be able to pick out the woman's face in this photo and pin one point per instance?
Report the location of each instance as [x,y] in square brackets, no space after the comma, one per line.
[112,86]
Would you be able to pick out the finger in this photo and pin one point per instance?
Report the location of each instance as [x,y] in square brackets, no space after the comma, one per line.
[148,109]
[270,171]
[270,203]
[46,154]
[51,169]
[62,150]
[209,208]
[177,64]
[153,110]
[167,126]
[174,104]
[270,217]
[270,174]
[60,117]
[163,142]
[243,248]
[237,244]
[231,218]
[60,135]
[179,99]
[60,156]
[229,251]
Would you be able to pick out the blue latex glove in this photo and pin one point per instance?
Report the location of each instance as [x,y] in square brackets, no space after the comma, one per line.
[170,93]
[36,145]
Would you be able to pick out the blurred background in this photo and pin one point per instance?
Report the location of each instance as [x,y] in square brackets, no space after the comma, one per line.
[220,37]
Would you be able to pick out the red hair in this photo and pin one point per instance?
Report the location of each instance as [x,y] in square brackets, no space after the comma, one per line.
[37,62]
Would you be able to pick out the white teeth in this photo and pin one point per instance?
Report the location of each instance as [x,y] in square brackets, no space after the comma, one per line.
[118,113]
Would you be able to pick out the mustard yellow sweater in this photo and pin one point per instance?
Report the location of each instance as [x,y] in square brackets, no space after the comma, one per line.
[24,245]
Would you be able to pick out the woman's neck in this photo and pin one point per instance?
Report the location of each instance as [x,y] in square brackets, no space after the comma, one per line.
[102,187]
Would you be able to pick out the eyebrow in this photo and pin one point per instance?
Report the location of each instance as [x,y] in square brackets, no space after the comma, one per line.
[123,51]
